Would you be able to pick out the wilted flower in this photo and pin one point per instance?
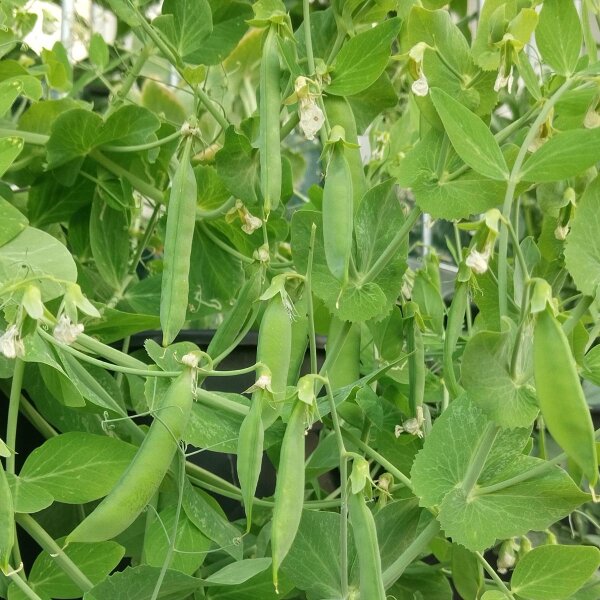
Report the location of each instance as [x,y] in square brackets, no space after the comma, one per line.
[420,87]
[412,426]
[311,118]
[250,223]
[561,232]
[11,345]
[479,261]
[506,556]
[65,331]
[262,383]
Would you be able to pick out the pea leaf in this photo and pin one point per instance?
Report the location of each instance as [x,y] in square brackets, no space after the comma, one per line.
[554,571]
[189,540]
[239,572]
[34,253]
[363,59]
[470,137]
[229,25]
[487,378]
[95,561]
[441,197]
[582,252]
[13,221]
[138,583]
[95,462]
[559,36]
[564,155]
[129,125]
[99,54]
[10,148]
[109,241]
[476,520]
[28,497]
[211,522]
[185,23]
[422,582]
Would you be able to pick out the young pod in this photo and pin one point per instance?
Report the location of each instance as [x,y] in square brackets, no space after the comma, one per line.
[289,490]
[181,218]
[560,395]
[143,476]
[7,521]
[367,547]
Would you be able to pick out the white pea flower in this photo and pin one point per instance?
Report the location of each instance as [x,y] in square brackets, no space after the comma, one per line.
[65,331]
[420,87]
[504,79]
[262,383]
[506,556]
[261,254]
[561,232]
[251,223]
[11,345]
[190,360]
[311,118]
[479,261]
[412,426]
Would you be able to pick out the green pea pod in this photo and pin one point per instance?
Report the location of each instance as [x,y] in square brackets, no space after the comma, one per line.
[560,395]
[148,468]
[249,453]
[340,113]
[454,327]
[367,547]
[299,341]
[274,347]
[237,317]
[416,365]
[338,214]
[269,109]
[289,490]
[7,521]
[181,218]
[274,344]
[346,369]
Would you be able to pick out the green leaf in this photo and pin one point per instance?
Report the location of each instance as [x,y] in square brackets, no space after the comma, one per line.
[487,378]
[554,571]
[138,583]
[115,324]
[313,562]
[129,125]
[582,251]
[443,198]
[186,24]
[192,546]
[467,572]
[564,155]
[42,258]
[99,55]
[74,134]
[476,519]
[470,137]
[9,92]
[28,497]
[95,561]
[109,240]
[422,581]
[229,26]
[211,522]
[95,462]
[363,59]
[59,72]
[559,36]
[237,165]
[10,148]
[240,571]
[13,221]
[373,101]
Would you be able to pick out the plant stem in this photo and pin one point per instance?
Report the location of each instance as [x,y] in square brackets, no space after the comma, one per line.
[577,313]
[478,462]
[308,37]
[128,82]
[37,139]
[513,179]
[142,147]
[494,576]
[395,570]
[21,584]
[393,246]
[218,402]
[34,417]
[224,246]
[13,413]
[591,46]
[344,491]
[386,464]
[289,125]
[312,337]
[33,528]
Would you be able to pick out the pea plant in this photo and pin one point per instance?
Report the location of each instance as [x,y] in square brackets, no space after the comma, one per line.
[300,300]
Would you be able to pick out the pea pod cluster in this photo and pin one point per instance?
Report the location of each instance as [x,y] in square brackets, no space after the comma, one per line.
[142,478]
[273,351]
[560,395]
